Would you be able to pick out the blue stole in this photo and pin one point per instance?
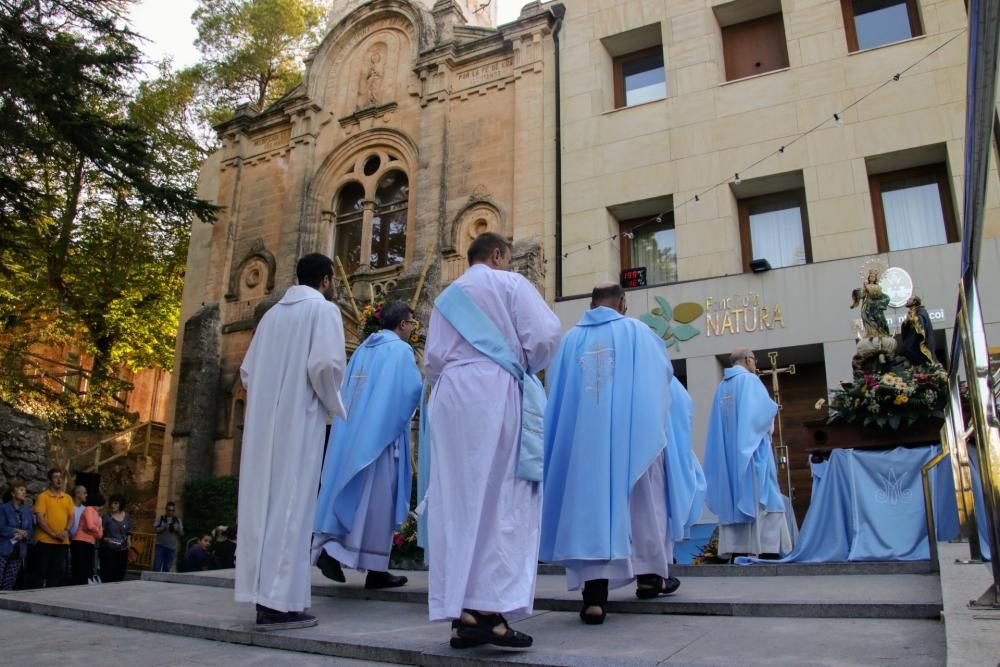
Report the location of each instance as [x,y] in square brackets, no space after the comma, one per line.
[480,332]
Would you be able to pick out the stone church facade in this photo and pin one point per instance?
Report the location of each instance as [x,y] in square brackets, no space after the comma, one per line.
[418,126]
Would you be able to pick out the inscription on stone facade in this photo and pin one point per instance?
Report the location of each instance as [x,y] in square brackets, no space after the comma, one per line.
[272,141]
[484,73]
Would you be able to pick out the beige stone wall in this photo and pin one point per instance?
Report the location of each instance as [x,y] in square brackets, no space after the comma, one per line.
[707,129]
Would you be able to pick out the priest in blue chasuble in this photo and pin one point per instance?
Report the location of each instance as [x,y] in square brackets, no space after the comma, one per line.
[365,490]
[740,472]
[605,509]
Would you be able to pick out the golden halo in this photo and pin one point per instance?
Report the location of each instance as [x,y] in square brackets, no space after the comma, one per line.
[876,263]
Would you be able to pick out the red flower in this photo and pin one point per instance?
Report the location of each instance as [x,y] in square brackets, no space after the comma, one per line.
[397,539]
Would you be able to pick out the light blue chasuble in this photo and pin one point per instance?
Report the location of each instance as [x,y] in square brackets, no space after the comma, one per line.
[605,423]
[381,390]
[685,477]
[739,466]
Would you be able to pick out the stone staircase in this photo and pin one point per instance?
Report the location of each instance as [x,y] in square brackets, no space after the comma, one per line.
[144,439]
[832,615]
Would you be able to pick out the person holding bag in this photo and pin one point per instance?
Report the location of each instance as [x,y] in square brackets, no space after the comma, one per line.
[116,541]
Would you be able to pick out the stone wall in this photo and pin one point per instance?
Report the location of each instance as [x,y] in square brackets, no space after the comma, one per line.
[24,443]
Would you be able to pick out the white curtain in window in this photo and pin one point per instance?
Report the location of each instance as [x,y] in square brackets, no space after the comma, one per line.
[655,249]
[913,216]
[776,235]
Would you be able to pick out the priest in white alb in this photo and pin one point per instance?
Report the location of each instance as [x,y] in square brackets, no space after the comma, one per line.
[292,374]
[740,473]
[489,332]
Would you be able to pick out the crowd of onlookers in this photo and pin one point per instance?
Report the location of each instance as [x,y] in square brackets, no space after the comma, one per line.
[65,539]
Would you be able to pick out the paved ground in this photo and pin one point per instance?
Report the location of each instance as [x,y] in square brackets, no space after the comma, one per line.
[30,640]
[398,632]
[973,634]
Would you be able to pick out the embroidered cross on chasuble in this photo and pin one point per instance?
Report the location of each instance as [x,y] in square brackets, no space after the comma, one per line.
[598,368]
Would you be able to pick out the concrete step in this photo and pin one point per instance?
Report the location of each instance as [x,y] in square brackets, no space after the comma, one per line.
[870,596]
[400,633]
[784,569]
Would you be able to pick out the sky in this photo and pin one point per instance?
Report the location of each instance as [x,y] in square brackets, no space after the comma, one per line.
[167,26]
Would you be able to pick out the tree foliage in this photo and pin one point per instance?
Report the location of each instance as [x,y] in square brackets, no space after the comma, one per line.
[253,50]
[97,192]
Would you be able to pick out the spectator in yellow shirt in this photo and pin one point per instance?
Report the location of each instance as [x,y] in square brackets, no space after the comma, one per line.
[53,515]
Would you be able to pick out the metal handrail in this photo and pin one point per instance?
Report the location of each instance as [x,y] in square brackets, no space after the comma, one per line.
[969,348]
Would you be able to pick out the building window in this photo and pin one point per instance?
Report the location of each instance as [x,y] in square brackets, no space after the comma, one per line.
[912,208]
[370,214]
[650,244]
[350,220]
[640,77]
[775,227]
[871,23]
[73,377]
[754,47]
[389,221]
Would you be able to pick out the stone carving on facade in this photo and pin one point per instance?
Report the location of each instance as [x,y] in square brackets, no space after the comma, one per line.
[372,76]
[478,217]
[249,283]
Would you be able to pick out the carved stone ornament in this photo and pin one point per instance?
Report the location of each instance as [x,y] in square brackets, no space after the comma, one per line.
[256,251]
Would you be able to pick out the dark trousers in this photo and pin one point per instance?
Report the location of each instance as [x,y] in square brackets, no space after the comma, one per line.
[50,564]
[163,558]
[113,564]
[81,562]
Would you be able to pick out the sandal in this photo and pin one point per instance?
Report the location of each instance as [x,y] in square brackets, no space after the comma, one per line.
[595,594]
[483,631]
[649,586]
[458,642]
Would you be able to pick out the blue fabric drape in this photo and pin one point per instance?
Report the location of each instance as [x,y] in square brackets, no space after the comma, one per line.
[869,506]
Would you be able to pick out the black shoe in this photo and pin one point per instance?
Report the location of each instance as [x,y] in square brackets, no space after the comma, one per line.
[458,642]
[271,619]
[376,580]
[330,567]
[649,586]
[482,631]
[595,594]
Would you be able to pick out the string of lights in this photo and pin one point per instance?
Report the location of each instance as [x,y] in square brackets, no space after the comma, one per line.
[837,118]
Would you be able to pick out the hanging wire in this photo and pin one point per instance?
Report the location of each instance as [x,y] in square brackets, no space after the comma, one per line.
[836,117]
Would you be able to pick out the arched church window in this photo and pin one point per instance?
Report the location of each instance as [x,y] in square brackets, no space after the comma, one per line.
[389,222]
[350,208]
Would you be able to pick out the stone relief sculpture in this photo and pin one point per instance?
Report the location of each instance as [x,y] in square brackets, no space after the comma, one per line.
[372,76]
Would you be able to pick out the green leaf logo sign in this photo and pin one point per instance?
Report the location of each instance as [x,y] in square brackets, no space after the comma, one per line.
[671,324]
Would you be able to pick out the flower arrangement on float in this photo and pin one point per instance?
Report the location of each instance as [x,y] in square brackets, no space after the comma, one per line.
[371,322]
[896,399]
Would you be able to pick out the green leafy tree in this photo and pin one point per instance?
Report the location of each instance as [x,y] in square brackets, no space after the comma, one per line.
[97,192]
[64,65]
[253,50]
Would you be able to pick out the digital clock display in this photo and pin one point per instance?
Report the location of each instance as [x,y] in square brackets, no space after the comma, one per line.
[635,277]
